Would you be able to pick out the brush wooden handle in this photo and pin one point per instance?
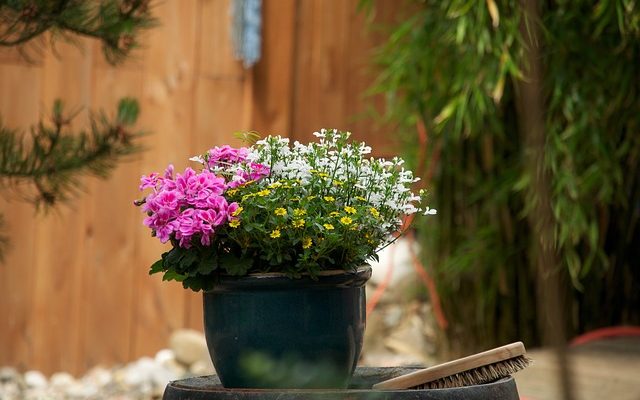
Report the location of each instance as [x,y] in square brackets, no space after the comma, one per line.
[453,367]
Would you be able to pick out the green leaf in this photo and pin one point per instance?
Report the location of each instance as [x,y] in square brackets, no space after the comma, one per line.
[172,275]
[156,267]
[207,264]
[235,265]
[173,257]
[190,257]
[250,137]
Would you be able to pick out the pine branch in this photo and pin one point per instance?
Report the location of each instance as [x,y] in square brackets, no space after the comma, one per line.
[4,241]
[117,23]
[45,166]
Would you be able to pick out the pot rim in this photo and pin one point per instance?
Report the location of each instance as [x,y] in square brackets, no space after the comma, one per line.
[280,280]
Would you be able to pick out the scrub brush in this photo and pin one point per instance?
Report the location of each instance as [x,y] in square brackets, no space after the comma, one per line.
[475,369]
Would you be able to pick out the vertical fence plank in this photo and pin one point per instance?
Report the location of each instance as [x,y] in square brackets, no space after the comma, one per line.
[320,76]
[19,108]
[60,234]
[166,106]
[216,59]
[363,111]
[272,75]
[109,278]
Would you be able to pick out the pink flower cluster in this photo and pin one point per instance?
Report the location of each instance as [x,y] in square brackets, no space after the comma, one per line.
[193,204]
[235,161]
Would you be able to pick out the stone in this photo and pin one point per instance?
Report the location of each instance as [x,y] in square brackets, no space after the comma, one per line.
[139,372]
[202,368]
[35,379]
[79,390]
[189,346]
[61,380]
[160,377]
[10,391]
[176,368]
[98,377]
[164,356]
[8,374]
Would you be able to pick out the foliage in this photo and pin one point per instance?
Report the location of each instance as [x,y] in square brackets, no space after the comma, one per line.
[45,166]
[456,67]
[116,23]
[275,208]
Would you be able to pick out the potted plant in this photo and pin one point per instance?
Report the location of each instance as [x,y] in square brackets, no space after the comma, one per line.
[277,237]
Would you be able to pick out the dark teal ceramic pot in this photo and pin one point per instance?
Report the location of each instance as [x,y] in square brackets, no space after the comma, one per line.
[270,331]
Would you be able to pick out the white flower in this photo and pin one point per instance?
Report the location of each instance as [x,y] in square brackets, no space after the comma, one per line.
[430,211]
[199,159]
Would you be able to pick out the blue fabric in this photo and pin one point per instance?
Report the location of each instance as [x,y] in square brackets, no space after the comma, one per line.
[246,35]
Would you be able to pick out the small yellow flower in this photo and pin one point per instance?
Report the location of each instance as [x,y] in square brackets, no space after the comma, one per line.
[280,212]
[374,212]
[275,233]
[231,192]
[337,182]
[323,174]
[329,198]
[346,221]
[306,242]
[360,198]
[328,227]
[350,210]
[298,223]
[311,197]
[298,212]
[263,193]
[334,214]
[235,223]
[248,196]
[275,185]
[237,212]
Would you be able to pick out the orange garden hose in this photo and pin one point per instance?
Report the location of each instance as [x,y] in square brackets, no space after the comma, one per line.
[603,333]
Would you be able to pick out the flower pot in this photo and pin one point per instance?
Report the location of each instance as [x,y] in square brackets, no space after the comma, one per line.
[270,331]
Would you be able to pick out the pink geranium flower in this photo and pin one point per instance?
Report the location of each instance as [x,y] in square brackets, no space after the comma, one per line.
[227,155]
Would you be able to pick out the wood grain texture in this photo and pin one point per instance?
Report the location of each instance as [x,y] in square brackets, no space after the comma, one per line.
[166,105]
[60,235]
[75,283]
[271,99]
[109,275]
[19,107]
[216,51]
[320,77]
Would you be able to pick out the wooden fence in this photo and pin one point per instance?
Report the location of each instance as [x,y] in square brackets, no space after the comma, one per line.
[74,289]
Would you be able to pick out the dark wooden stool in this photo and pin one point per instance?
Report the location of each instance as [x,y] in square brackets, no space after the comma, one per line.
[209,388]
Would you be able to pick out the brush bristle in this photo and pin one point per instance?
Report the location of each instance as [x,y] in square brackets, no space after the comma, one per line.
[476,376]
